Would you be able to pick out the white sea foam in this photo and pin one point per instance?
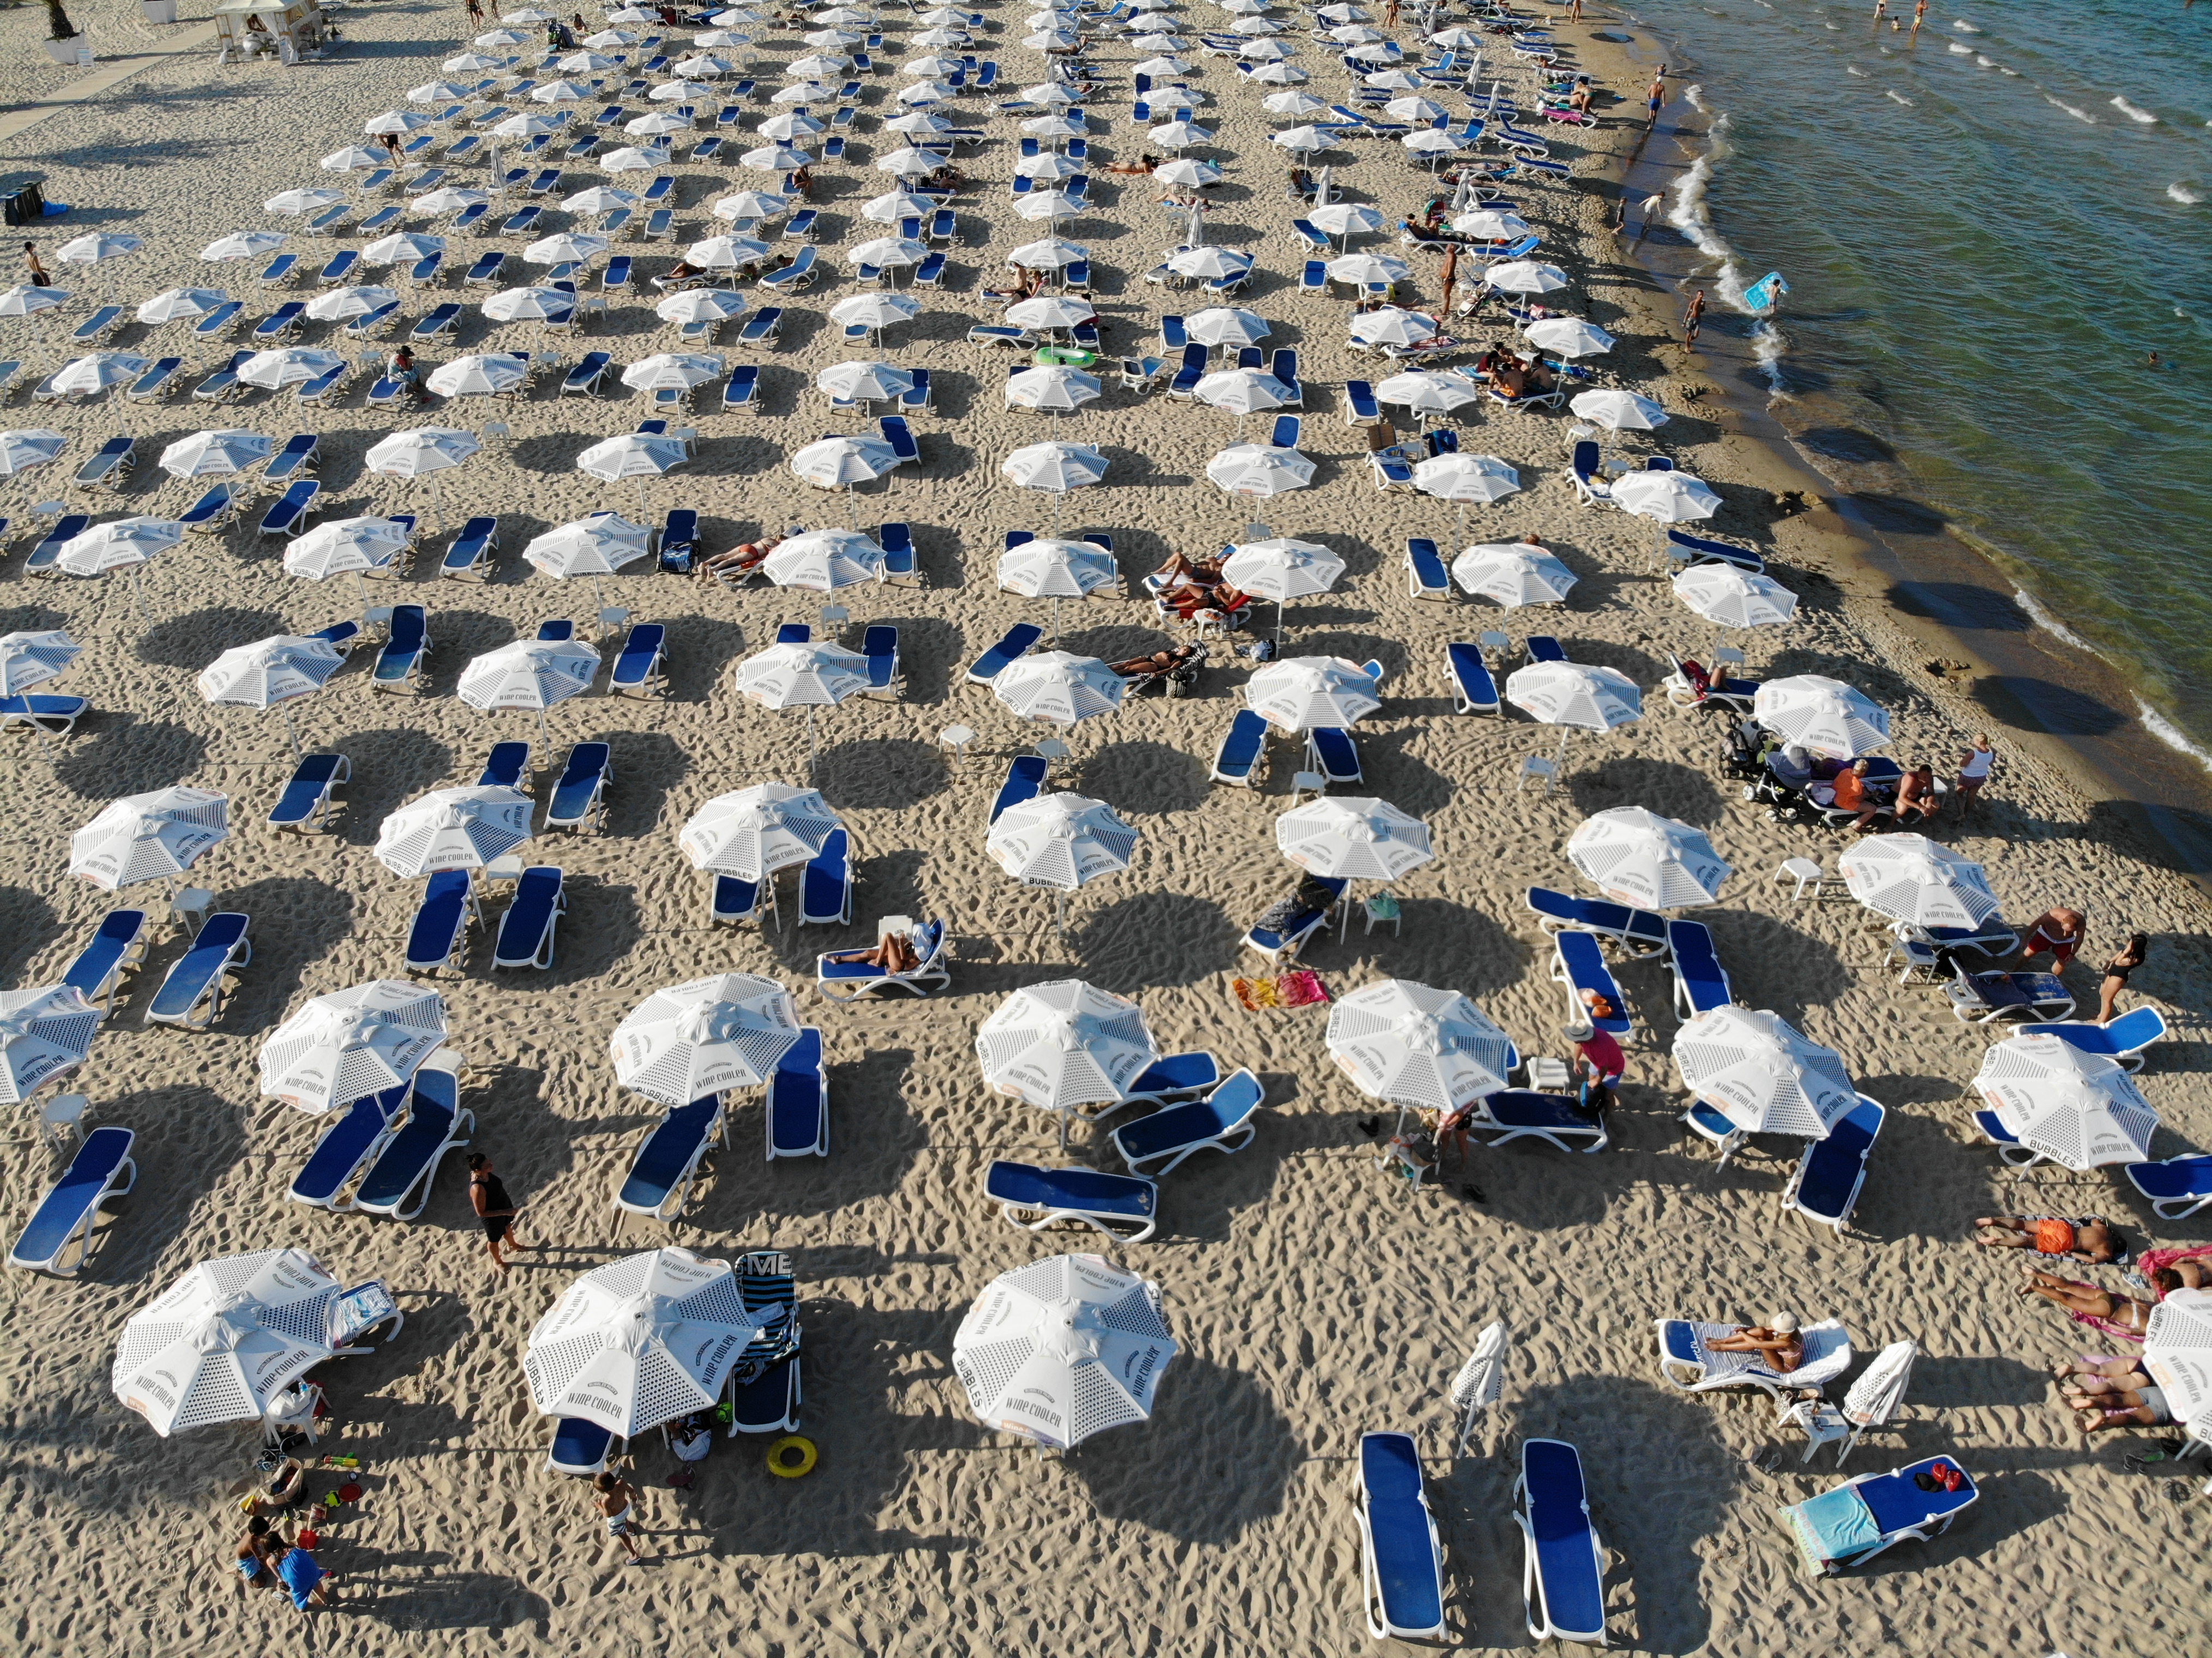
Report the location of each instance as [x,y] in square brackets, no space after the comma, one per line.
[1965,27]
[2170,734]
[2048,622]
[1902,98]
[2014,73]
[1959,49]
[1853,68]
[2078,114]
[2184,195]
[1986,62]
[2142,117]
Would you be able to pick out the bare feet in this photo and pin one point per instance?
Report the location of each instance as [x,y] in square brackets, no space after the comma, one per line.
[2088,1422]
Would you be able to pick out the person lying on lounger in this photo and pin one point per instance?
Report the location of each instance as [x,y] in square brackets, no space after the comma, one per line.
[894,953]
[1159,662]
[738,561]
[2094,1239]
[2087,1304]
[1181,568]
[1142,165]
[1778,1341]
[683,274]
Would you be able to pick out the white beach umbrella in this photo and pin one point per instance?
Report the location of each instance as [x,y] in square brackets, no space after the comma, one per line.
[243,244]
[1259,470]
[1823,715]
[813,674]
[1241,391]
[149,837]
[1294,104]
[863,380]
[224,1340]
[1420,110]
[705,66]
[931,66]
[839,462]
[481,374]
[353,158]
[453,829]
[1426,392]
[1193,174]
[98,248]
[897,204]
[1061,841]
[1058,687]
[1052,94]
[450,199]
[1618,411]
[1050,165]
[1301,692]
[595,546]
[604,40]
[628,159]
[345,546]
[704,1036]
[1209,264]
[2177,1356]
[678,91]
[45,1034]
[123,543]
[1226,324]
[1047,255]
[1343,219]
[271,673]
[27,300]
[529,673]
[1062,1349]
[97,372]
[29,659]
[1352,838]
[806,92]
[1568,337]
[567,248]
[752,206]
[822,560]
[1281,569]
[1392,325]
[722,40]
[1526,276]
[1513,573]
[907,163]
[1665,497]
[1575,695]
[1730,598]
[399,122]
[292,203]
[2079,1109]
[1053,386]
[702,305]
[425,452]
[1636,857]
[1052,40]
[922,93]
[404,247]
[1910,877]
[877,309]
[292,365]
[672,371]
[639,1342]
[639,455]
[525,126]
[586,63]
[1762,1074]
[1060,124]
[25,450]
[751,833]
[1055,467]
[1490,225]
[350,1044]
[1418,1048]
[344,304]
[1047,567]
[1064,1044]
[1362,269]
[494,38]
[1048,204]
[790,126]
[1428,141]
[1276,74]
[180,305]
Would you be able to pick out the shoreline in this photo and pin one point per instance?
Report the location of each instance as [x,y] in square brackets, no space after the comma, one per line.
[1903,567]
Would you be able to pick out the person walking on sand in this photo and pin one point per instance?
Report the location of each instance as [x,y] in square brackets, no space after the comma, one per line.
[35,267]
[476,10]
[1657,95]
[1693,318]
[494,1207]
[616,1502]
[1390,16]
[2117,973]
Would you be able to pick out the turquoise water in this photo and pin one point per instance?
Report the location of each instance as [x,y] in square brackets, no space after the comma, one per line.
[1986,233]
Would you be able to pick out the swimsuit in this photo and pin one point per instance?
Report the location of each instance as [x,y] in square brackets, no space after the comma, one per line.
[618,1524]
[2062,950]
[495,1226]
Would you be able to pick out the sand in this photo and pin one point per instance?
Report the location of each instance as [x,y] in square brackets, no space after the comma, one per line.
[1314,1296]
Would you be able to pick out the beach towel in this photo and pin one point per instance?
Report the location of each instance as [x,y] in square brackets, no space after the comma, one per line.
[1831,1526]
[2157,1260]
[1256,994]
[1302,988]
[2097,1322]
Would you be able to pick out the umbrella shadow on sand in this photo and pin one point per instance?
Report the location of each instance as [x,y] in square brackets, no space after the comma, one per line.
[1153,938]
[886,773]
[1147,777]
[189,1137]
[28,925]
[1682,793]
[390,766]
[132,757]
[297,920]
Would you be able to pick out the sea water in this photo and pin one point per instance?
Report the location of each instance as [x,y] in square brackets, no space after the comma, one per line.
[1987,231]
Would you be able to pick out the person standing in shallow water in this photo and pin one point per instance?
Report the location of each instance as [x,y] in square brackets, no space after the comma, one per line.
[1658,95]
[1693,318]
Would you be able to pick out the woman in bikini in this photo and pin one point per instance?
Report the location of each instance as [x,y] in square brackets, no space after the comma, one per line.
[749,555]
[1182,568]
[894,954]
[2087,1304]
[2133,1401]
[2117,972]
[1778,1340]
[2095,1240]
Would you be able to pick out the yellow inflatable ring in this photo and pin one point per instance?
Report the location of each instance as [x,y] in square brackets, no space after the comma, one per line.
[783,1469]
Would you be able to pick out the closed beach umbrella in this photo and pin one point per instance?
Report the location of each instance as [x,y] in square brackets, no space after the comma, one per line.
[1526,276]
[1762,1074]
[1575,695]
[1666,497]
[1730,598]
[1064,1044]
[704,1036]
[27,660]
[1618,411]
[293,365]
[1637,858]
[182,305]
[97,372]
[751,833]
[1912,879]
[271,673]
[483,375]
[350,1044]
[1513,573]
[1054,387]
[2079,1109]
[224,1340]
[822,560]
[863,381]
[45,1034]
[641,1342]
[810,675]
[1352,838]
[1426,392]
[149,837]
[1281,569]
[453,829]
[1823,715]
[1259,470]
[22,450]
[1416,1047]
[1058,687]
[1302,692]
[839,462]
[1392,325]
[1568,337]
[1062,1349]
[530,673]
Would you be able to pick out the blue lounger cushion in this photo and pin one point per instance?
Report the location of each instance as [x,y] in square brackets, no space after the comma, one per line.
[1581,967]
[579,796]
[1832,1172]
[1026,775]
[196,979]
[1565,1581]
[525,931]
[306,802]
[58,1236]
[1474,689]
[825,885]
[769,1404]
[1238,757]
[1174,1077]
[668,1161]
[840,978]
[799,1101]
[1107,1202]
[409,1163]
[1221,1121]
[117,947]
[1643,932]
[1401,1566]
[1858,1520]
[2122,1041]
[347,1145]
[507,768]
[1701,984]
[1557,1119]
[1017,640]
[435,940]
[579,1446]
[2177,1187]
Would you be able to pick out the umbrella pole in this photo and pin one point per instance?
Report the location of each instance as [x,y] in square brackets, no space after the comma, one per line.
[138,598]
[544,741]
[809,742]
[292,731]
[1279,624]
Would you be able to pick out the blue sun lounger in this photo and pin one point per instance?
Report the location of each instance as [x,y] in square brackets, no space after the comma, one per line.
[1833,1171]
[825,885]
[1401,1560]
[1425,576]
[1543,648]
[309,801]
[799,1101]
[769,1403]
[115,951]
[579,1447]
[1851,1524]
[1577,965]
[438,939]
[1026,775]
[2007,1143]
[347,1147]
[1017,640]
[1222,1122]
[661,1176]
[1107,1203]
[1986,998]
[525,931]
[879,644]
[1639,931]
[55,716]
[1563,1566]
[2122,1041]
[1473,691]
[1236,762]
[641,669]
[192,996]
[579,798]
[1556,1118]
[1332,752]
[1285,942]
[58,1238]
[400,661]
[839,978]
[1175,1078]
[507,768]
[734,901]
[1700,550]
[2177,1187]
[899,561]
[1701,984]
[470,557]
[409,1163]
